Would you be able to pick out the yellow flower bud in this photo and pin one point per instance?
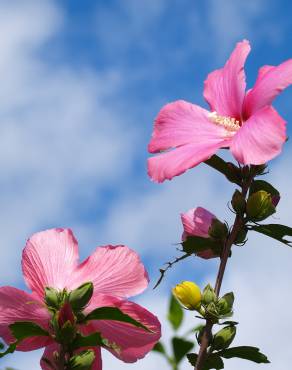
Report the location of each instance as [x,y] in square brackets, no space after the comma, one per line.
[188,294]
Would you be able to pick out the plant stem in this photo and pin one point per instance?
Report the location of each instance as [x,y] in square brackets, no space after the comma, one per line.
[61,360]
[237,226]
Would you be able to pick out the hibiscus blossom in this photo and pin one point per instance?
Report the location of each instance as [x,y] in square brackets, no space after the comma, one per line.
[50,260]
[197,222]
[245,122]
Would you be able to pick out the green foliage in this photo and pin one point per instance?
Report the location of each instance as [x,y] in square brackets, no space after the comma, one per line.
[115,314]
[180,348]
[25,329]
[175,313]
[229,170]
[275,231]
[213,361]
[82,361]
[246,353]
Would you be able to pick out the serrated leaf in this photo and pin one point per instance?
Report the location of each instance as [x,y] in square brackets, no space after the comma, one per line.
[246,353]
[213,361]
[159,347]
[114,314]
[26,329]
[175,313]
[231,172]
[275,231]
[258,185]
[180,348]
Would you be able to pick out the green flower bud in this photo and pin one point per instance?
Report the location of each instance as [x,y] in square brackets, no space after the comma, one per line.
[241,236]
[225,303]
[52,297]
[82,361]
[218,230]
[78,298]
[238,202]
[208,295]
[260,206]
[223,338]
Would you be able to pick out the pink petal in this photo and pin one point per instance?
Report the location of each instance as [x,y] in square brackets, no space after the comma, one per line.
[271,81]
[225,88]
[180,123]
[197,222]
[134,342]
[189,128]
[49,351]
[115,270]
[49,259]
[260,138]
[17,305]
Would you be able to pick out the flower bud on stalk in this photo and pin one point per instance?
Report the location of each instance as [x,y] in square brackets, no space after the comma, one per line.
[224,338]
[208,295]
[260,205]
[188,294]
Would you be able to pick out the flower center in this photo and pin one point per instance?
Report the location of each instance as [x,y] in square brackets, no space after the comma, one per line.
[229,123]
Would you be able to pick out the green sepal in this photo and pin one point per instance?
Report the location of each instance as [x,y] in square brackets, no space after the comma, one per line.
[208,295]
[180,348]
[79,297]
[10,349]
[82,361]
[238,202]
[175,313]
[91,340]
[225,304]
[218,230]
[114,314]
[231,172]
[223,338]
[196,244]
[26,329]
[246,353]
[275,231]
[67,333]
[213,361]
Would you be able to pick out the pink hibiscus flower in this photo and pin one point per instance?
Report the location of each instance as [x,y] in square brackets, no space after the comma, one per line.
[197,222]
[50,259]
[245,122]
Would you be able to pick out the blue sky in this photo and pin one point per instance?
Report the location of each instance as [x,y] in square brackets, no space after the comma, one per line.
[81,82]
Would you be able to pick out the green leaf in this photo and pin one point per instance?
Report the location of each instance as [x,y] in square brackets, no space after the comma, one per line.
[246,353]
[82,361]
[159,347]
[275,231]
[228,169]
[26,329]
[175,313]
[91,340]
[180,348]
[10,349]
[196,244]
[213,361]
[258,185]
[114,314]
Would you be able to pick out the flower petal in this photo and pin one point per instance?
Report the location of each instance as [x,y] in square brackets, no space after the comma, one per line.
[180,123]
[271,82]
[17,305]
[134,342]
[49,351]
[115,270]
[260,138]
[189,128]
[49,259]
[197,222]
[225,88]
[167,165]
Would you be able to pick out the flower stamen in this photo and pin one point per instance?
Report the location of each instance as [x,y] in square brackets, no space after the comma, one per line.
[229,123]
